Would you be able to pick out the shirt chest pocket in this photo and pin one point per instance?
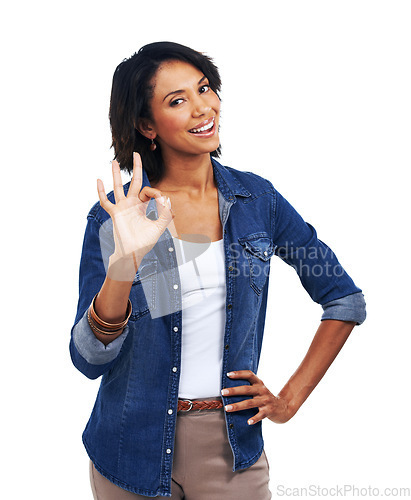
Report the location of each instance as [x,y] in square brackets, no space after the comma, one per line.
[258,248]
[143,289]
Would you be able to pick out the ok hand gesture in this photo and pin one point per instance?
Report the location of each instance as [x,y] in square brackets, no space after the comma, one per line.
[134,233]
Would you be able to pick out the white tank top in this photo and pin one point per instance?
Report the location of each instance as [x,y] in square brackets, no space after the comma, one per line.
[203,289]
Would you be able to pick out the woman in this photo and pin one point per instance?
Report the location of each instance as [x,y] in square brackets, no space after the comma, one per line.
[172,300]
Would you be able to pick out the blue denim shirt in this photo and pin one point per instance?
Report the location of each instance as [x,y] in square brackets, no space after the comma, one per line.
[130,434]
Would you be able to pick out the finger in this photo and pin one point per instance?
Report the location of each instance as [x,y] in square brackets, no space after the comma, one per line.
[244,374]
[245,390]
[137,178]
[149,192]
[104,201]
[165,214]
[117,182]
[246,404]
[259,416]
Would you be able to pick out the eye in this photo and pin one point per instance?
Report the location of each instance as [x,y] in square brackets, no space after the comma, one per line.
[204,88]
[176,102]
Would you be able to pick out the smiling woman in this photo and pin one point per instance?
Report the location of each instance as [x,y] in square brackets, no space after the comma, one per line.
[173,296]
[184,121]
[134,83]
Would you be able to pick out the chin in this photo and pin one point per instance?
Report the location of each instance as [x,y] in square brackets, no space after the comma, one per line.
[209,148]
[191,149]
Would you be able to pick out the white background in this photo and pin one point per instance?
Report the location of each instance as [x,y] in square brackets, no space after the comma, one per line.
[316,97]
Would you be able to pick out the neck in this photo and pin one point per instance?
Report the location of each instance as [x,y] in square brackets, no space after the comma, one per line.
[190,173]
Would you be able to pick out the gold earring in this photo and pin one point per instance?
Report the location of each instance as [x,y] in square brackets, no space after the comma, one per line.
[153,145]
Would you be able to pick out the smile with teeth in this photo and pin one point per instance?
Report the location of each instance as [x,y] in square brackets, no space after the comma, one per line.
[204,128]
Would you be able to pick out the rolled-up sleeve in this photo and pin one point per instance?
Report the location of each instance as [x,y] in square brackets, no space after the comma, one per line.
[349,308]
[317,266]
[90,348]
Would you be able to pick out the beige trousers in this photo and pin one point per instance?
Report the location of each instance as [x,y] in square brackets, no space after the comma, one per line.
[202,465]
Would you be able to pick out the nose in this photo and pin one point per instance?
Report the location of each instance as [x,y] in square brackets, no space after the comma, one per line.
[200,106]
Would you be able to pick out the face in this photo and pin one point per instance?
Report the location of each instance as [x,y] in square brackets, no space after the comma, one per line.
[185,111]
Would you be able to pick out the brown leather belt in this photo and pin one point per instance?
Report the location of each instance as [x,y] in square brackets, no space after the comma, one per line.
[187,405]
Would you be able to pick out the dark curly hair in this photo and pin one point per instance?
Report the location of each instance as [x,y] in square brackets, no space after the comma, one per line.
[131,94]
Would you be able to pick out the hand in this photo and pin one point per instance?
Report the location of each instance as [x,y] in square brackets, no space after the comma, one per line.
[134,233]
[273,407]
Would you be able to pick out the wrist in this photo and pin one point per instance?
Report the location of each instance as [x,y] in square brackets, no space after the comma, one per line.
[122,268]
[107,331]
[289,400]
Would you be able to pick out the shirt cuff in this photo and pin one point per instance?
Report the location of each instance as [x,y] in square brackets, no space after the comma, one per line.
[349,308]
[90,348]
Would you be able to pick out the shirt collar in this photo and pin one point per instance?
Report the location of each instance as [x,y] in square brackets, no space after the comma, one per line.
[227,184]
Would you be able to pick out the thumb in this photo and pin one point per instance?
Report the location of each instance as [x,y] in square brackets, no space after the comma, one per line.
[165,214]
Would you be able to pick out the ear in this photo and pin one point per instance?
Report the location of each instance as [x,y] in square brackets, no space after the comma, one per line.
[145,127]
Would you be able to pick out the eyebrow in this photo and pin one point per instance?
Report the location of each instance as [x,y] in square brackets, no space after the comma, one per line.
[181,91]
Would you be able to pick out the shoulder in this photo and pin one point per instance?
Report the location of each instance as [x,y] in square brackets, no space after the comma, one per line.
[249,181]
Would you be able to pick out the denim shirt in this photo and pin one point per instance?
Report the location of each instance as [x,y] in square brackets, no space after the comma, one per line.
[130,434]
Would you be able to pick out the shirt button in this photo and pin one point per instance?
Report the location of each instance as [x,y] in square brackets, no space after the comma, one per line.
[230,268]
[175,287]
[170,411]
[168,451]
[174,369]
[229,306]
[171,249]
[175,328]
[266,253]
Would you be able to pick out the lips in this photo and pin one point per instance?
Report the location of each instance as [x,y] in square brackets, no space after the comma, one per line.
[204,127]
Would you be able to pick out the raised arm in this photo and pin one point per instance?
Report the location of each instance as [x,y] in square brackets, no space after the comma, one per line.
[104,295]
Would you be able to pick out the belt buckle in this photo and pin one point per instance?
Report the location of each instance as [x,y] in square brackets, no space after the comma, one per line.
[188,401]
